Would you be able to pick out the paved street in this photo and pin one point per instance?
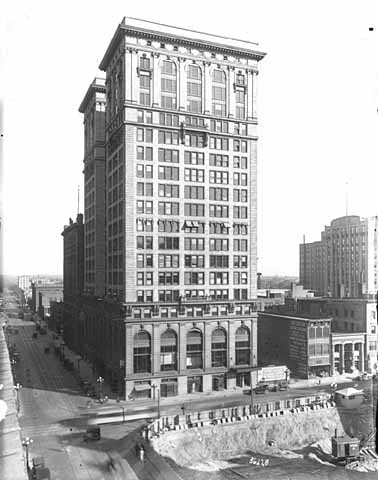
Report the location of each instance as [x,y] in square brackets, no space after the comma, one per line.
[54,414]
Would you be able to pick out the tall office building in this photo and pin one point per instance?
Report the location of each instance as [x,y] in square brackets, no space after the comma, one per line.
[93,108]
[181,135]
[344,263]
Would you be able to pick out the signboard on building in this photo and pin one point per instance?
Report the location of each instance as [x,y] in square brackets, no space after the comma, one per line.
[272,373]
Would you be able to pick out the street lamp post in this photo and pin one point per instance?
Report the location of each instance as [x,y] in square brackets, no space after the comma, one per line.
[100,381]
[62,345]
[18,387]
[26,442]
[251,394]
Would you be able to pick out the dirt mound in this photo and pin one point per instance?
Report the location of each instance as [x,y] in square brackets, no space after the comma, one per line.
[269,436]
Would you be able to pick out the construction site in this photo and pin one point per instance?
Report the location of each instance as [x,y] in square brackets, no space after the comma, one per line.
[319,437]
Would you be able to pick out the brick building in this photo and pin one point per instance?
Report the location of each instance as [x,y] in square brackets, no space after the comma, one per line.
[300,340]
[179,309]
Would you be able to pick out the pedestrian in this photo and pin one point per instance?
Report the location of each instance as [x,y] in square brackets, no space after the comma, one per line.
[141,454]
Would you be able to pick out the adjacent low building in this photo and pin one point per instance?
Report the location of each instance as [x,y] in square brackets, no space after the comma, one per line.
[302,341]
[353,334]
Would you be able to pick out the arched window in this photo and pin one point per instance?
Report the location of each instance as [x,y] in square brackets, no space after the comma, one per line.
[168,350]
[194,89]
[242,346]
[219,93]
[194,348]
[142,352]
[219,348]
[168,85]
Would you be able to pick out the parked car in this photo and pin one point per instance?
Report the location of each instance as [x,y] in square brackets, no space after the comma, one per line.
[92,433]
[365,376]
[263,388]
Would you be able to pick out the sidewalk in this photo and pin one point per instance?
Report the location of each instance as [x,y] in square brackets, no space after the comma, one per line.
[83,369]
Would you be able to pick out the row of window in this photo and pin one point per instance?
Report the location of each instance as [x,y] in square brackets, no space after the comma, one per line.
[142,349]
[191,243]
[169,84]
[190,174]
[169,295]
[191,278]
[190,261]
[190,209]
[173,120]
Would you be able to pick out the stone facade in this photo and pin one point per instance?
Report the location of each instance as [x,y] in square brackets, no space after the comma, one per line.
[180,211]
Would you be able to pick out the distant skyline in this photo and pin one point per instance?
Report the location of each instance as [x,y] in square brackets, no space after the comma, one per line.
[317,111]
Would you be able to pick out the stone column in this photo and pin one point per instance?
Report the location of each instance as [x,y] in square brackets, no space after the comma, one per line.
[231,100]
[181,84]
[155,348]
[155,86]
[249,103]
[182,347]
[362,357]
[207,83]
[134,76]
[342,366]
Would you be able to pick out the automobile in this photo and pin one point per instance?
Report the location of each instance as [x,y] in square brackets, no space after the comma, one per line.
[262,388]
[365,376]
[92,433]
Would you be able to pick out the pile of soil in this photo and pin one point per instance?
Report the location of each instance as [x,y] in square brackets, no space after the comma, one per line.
[213,446]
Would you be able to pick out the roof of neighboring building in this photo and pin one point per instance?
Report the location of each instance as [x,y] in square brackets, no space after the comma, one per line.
[350,391]
[160,32]
[98,85]
[292,314]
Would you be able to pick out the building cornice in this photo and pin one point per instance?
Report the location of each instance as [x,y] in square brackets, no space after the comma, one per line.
[97,86]
[181,38]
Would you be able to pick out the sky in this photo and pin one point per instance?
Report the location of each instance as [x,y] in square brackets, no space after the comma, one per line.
[317,111]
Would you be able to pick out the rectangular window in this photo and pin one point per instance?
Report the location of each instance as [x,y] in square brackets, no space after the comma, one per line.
[194,158]
[240,212]
[194,278]
[168,208]
[218,244]
[218,278]
[169,278]
[219,143]
[167,137]
[240,162]
[168,173]
[170,156]
[219,211]
[169,261]
[194,243]
[219,261]
[144,207]
[216,176]
[168,226]
[194,175]
[195,193]
[218,160]
[169,243]
[240,245]
[194,261]
[168,190]
[219,194]
[194,210]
